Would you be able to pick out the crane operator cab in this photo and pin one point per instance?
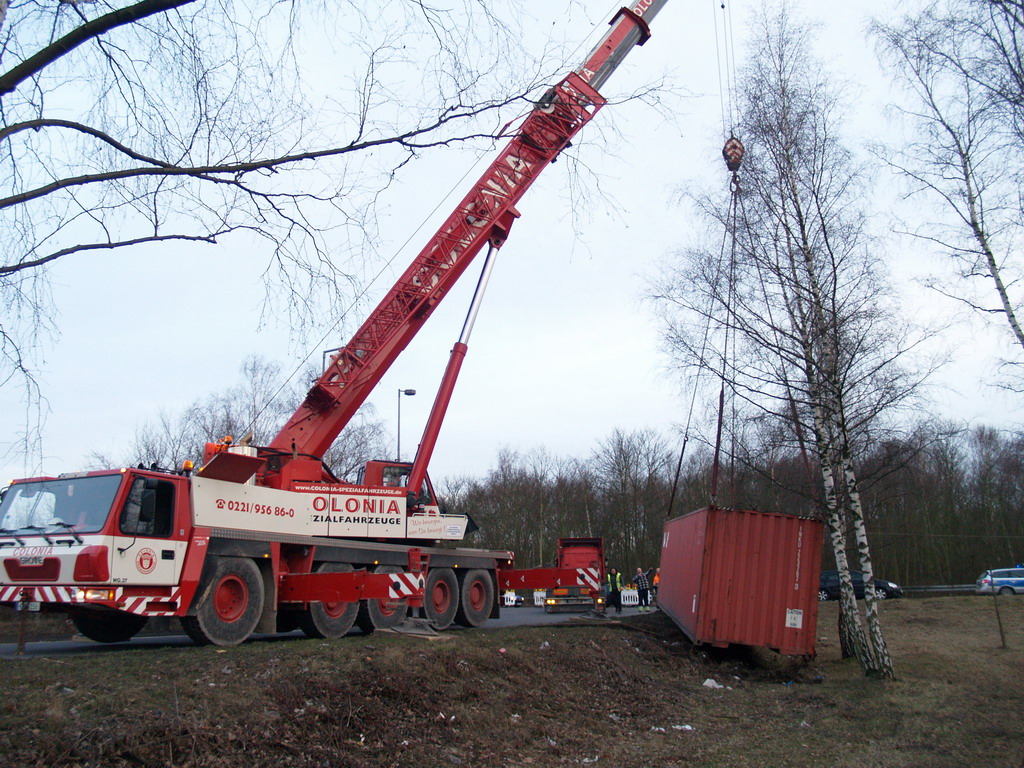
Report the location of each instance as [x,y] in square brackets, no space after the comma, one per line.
[395,474]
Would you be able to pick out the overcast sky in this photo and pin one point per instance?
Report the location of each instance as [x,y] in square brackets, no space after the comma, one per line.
[566,348]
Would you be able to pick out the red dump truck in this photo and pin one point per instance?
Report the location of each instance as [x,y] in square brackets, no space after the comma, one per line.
[736,576]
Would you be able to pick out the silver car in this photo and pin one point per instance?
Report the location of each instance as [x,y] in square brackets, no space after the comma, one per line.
[1005,581]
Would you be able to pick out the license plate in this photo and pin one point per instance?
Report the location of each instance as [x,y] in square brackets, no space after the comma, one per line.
[30,560]
[34,606]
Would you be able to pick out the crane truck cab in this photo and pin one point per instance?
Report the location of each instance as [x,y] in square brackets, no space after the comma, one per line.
[75,542]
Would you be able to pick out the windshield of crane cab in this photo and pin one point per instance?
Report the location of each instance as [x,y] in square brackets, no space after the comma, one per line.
[79,504]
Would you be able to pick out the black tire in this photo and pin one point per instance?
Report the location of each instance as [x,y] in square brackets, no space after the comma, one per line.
[476,596]
[109,626]
[1006,591]
[382,614]
[823,595]
[329,620]
[229,602]
[441,597]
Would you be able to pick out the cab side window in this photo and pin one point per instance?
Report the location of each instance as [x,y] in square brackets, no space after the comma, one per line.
[149,508]
[396,476]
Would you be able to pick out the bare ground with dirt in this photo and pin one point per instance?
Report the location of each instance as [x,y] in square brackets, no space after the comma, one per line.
[619,694]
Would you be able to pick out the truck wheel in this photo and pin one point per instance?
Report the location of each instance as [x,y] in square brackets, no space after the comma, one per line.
[382,614]
[229,604]
[329,620]
[441,597]
[476,598]
[109,627]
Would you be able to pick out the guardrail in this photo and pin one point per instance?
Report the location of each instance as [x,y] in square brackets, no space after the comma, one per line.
[940,589]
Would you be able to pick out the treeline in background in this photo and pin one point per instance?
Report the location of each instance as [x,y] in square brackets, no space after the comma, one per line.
[943,504]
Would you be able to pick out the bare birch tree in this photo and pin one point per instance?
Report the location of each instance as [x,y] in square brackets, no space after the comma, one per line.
[961,65]
[807,337]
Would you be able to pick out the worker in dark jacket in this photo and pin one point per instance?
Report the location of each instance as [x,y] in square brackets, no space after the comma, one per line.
[643,590]
[615,590]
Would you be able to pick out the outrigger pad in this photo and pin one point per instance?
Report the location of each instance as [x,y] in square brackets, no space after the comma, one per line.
[417,627]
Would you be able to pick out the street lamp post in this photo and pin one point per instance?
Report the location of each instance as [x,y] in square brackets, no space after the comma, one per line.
[399,430]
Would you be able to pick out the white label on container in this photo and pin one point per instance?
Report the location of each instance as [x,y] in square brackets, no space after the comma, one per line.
[794,618]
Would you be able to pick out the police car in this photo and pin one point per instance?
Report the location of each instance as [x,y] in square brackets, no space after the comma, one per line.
[1004,581]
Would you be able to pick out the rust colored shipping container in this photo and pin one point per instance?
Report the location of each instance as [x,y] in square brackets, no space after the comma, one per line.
[744,577]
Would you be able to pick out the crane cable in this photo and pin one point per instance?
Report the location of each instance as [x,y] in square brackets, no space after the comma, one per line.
[733,153]
[725,56]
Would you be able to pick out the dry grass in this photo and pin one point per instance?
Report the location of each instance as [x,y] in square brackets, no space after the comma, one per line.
[579,694]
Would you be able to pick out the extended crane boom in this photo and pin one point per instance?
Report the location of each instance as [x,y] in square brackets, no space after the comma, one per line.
[484,215]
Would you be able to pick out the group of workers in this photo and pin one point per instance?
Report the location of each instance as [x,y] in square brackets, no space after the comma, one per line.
[645,582]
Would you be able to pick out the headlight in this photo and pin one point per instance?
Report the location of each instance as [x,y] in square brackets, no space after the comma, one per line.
[92,593]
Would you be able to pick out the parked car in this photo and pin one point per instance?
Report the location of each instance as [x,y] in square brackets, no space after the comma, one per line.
[829,587]
[1005,581]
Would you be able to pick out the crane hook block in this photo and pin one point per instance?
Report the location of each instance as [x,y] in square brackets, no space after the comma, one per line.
[733,153]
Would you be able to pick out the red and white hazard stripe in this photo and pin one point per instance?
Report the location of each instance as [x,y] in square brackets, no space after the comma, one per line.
[38,594]
[405,585]
[45,594]
[140,605]
[587,577]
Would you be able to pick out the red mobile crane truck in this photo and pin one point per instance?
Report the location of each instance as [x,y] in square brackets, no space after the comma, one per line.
[264,539]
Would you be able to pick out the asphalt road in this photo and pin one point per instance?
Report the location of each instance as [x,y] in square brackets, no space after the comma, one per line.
[510,617]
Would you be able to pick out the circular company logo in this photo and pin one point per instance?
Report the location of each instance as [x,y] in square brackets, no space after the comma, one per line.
[145,561]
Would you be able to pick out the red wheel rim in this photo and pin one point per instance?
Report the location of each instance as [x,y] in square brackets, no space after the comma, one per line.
[477,595]
[441,597]
[334,610]
[230,598]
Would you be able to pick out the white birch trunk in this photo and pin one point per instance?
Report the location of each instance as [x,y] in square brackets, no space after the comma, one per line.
[879,649]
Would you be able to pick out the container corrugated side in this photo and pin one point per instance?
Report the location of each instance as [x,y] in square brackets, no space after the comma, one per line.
[744,577]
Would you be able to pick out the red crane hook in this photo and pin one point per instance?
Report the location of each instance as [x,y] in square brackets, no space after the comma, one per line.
[733,154]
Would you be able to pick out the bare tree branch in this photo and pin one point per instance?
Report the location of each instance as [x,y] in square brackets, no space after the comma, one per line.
[90,30]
